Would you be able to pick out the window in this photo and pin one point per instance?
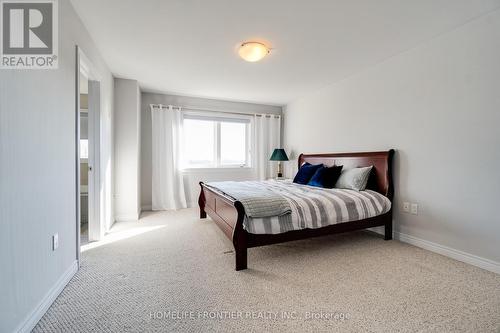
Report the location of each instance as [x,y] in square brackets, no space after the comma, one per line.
[214,142]
[199,142]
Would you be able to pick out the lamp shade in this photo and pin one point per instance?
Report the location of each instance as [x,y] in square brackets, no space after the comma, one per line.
[279,155]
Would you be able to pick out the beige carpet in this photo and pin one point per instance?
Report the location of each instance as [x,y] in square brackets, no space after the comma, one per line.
[170,269]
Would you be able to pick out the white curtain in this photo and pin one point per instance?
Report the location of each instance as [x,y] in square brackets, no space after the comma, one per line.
[167,183]
[267,138]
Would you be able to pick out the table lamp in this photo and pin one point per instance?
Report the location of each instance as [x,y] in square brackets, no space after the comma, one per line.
[279,155]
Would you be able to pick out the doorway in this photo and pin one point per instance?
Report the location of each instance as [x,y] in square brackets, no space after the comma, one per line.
[88,101]
[84,159]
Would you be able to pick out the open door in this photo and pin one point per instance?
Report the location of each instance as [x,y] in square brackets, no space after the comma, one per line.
[90,225]
[96,230]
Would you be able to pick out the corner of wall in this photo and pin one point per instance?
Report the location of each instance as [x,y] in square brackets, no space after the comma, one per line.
[34,317]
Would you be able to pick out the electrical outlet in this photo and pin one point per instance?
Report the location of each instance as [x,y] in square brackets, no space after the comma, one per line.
[414,209]
[406,207]
[55,242]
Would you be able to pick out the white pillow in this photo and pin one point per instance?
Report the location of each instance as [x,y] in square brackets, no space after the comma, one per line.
[354,179]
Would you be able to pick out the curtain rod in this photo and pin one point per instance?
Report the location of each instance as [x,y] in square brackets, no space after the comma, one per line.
[192,108]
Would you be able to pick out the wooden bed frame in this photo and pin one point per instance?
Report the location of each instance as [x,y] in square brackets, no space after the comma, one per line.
[228,213]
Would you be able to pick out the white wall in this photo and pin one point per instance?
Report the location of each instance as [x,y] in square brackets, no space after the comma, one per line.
[438,105]
[127,129]
[192,177]
[38,178]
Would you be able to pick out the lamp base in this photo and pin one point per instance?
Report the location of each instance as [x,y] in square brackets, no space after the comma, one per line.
[280,172]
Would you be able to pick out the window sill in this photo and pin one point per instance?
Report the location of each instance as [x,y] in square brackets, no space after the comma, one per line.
[215,170]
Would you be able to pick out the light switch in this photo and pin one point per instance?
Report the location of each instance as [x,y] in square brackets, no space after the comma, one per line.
[414,209]
[55,242]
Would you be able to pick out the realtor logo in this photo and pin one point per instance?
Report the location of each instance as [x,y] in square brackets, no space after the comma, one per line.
[29,34]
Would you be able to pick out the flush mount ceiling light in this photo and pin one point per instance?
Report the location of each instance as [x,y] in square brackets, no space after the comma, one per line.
[253,51]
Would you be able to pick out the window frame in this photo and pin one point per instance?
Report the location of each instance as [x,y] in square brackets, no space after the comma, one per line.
[218,118]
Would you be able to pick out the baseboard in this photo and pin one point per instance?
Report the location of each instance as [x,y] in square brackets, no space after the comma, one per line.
[149,208]
[32,319]
[468,258]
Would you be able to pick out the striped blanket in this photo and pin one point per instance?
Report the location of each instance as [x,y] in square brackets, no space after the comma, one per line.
[258,200]
[314,207]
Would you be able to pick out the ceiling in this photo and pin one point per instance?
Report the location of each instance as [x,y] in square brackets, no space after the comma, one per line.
[189,47]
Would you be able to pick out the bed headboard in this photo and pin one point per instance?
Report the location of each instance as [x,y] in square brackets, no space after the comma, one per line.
[381,176]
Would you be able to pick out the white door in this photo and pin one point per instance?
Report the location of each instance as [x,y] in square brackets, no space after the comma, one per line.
[96,230]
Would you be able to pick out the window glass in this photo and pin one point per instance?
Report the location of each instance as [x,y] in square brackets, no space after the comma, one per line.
[233,143]
[199,143]
[211,141]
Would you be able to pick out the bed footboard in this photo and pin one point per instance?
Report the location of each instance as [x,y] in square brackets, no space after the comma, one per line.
[228,214]
[201,203]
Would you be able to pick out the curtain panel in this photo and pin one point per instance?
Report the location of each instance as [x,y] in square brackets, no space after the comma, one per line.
[267,138]
[167,179]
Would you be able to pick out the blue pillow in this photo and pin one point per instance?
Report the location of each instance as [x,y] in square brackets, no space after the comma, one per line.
[326,176]
[305,173]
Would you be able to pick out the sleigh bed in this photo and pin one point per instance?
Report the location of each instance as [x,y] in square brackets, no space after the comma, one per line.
[229,213]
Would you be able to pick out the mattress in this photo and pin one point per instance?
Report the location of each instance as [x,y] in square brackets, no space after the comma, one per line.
[313,207]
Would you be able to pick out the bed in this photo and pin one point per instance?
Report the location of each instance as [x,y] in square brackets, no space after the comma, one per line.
[229,214]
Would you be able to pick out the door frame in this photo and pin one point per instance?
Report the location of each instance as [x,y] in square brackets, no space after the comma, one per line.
[83,64]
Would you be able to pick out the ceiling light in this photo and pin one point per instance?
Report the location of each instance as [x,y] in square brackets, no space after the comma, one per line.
[253,51]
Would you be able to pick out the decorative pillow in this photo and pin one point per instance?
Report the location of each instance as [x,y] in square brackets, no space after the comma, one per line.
[305,173]
[354,179]
[326,176]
